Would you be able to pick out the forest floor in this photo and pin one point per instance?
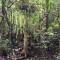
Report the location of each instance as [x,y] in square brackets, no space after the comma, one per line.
[37,55]
[34,56]
[49,57]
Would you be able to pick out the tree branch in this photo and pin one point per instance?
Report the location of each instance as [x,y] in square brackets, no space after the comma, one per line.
[11,4]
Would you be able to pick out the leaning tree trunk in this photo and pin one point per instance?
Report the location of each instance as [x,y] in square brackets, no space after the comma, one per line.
[25,47]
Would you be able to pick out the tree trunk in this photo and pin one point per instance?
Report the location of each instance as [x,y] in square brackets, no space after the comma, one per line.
[47,11]
[25,47]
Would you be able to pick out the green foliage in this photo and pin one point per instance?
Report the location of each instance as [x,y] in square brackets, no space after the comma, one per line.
[34,22]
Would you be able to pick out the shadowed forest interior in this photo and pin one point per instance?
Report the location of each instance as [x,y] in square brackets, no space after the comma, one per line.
[29,30]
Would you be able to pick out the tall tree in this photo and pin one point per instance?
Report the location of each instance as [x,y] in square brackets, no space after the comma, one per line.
[4,15]
[47,13]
